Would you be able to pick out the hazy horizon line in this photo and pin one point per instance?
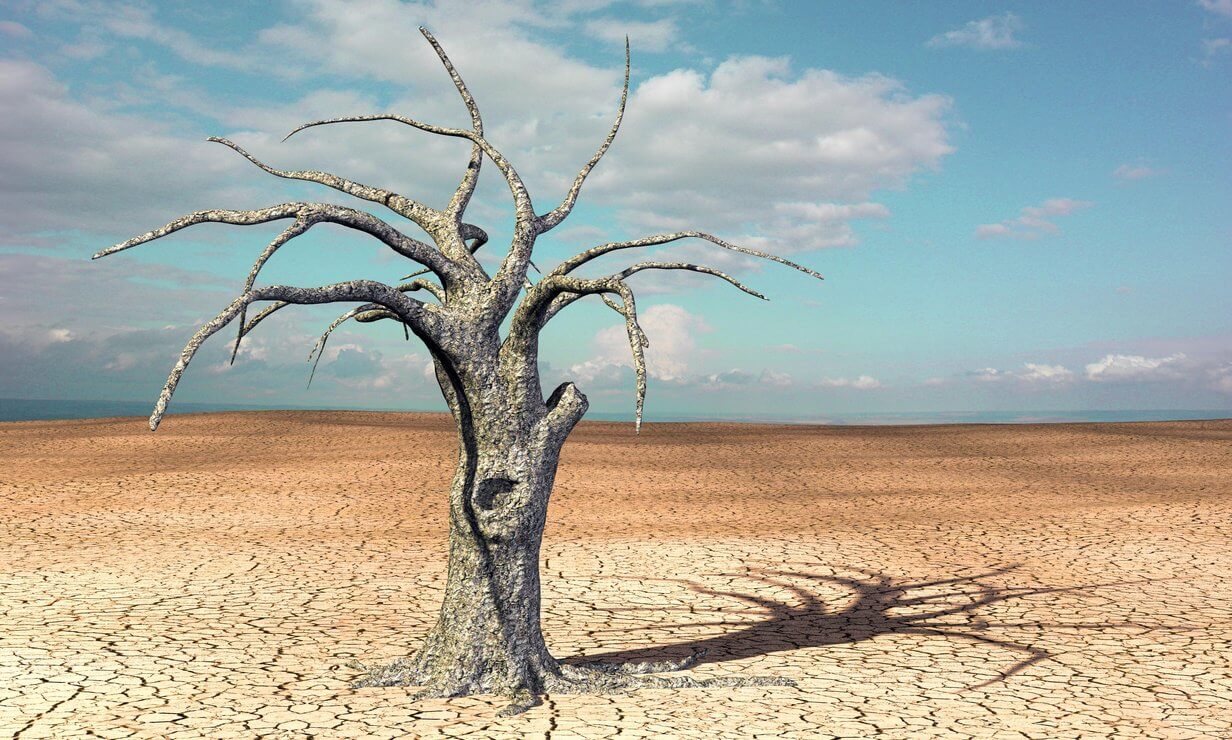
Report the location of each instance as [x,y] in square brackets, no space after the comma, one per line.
[43,409]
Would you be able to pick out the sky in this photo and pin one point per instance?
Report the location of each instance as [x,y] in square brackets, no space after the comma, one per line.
[1015,205]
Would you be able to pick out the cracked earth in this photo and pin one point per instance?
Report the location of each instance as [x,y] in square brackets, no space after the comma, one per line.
[222,578]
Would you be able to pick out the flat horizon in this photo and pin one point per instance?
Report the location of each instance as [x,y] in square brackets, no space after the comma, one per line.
[36,409]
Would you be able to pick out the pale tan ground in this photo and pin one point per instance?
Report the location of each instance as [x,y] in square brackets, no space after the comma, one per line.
[214,579]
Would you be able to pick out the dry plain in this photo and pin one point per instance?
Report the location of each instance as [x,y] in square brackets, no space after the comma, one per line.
[221,577]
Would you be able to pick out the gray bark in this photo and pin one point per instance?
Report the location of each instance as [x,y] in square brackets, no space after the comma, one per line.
[488,636]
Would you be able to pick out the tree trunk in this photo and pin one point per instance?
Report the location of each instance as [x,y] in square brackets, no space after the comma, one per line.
[487,638]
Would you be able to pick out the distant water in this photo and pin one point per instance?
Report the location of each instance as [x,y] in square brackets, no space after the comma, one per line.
[12,409]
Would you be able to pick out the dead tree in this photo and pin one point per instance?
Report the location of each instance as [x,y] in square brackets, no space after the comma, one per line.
[488,637]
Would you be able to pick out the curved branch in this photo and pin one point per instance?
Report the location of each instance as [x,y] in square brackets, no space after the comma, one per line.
[368,291]
[590,254]
[551,219]
[541,304]
[461,198]
[511,275]
[426,285]
[300,226]
[366,313]
[692,268]
[421,214]
[521,197]
[321,212]
[468,232]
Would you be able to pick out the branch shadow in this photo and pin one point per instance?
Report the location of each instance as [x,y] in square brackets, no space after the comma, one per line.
[882,606]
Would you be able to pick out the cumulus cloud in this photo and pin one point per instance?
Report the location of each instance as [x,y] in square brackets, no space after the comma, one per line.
[987,375]
[722,150]
[1034,374]
[673,347]
[862,383]
[1135,172]
[736,378]
[1115,367]
[1034,221]
[993,32]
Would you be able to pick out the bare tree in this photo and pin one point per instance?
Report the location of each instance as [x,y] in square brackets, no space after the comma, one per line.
[488,637]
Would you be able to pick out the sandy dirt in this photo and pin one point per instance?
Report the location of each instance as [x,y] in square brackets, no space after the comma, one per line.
[218,578]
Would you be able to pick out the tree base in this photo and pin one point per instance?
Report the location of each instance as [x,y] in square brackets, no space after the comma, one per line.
[555,678]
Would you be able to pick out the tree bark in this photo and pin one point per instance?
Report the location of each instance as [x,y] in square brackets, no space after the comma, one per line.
[487,638]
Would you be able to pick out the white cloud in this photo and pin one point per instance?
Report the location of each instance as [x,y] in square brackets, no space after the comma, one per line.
[1033,221]
[1046,373]
[1212,48]
[1221,378]
[652,36]
[1135,172]
[770,158]
[993,32]
[673,347]
[1115,367]
[15,30]
[1220,7]
[988,375]
[863,383]
[741,378]
[69,165]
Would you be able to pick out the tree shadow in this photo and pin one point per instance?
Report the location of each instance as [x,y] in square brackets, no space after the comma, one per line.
[881,606]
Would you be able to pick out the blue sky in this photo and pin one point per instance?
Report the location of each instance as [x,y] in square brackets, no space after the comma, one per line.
[1016,205]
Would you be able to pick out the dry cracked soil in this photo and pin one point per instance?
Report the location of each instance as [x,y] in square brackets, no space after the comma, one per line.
[222,577]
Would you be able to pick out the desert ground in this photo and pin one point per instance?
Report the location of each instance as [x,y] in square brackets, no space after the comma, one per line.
[229,575]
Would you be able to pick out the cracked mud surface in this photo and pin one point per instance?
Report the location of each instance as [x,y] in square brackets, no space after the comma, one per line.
[1010,581]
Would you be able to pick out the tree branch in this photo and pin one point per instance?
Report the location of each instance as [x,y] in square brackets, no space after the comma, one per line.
[421,214]
[320,212]
[551,219]
[425,285]
[687,266]
[405,308]
[366,313]
[577,260]
[536,309]
[461,198]
[521,198]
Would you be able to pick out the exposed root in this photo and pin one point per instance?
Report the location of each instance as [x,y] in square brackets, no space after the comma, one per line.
[555,678]
[401,672]
[637,669]
[619,679]
[519,701]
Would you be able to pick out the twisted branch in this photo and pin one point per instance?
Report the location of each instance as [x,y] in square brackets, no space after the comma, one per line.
[300,226]
[366,313]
